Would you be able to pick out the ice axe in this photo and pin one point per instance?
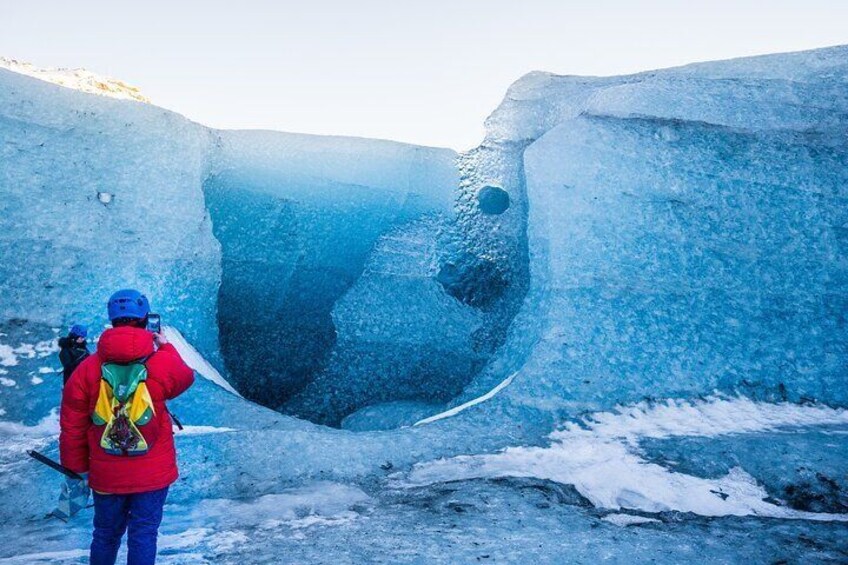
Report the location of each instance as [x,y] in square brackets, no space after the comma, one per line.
[75,491]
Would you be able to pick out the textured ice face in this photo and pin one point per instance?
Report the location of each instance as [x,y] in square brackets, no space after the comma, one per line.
[328,301]
[316,257]
[97,195]
[685,233]
[683,257]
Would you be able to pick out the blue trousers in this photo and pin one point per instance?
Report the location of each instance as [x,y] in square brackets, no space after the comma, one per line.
[138,514]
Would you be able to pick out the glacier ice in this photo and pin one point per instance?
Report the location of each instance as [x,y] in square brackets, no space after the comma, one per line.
[614,242]
[682,258]
[685,233]
[346,263]
[65,245]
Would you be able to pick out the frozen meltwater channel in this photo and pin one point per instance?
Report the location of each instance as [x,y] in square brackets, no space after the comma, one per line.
[600,456]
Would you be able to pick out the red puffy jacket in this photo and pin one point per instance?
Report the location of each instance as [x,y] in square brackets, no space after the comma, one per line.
[79,439]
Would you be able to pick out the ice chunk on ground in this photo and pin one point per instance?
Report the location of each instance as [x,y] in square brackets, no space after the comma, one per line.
[628,519]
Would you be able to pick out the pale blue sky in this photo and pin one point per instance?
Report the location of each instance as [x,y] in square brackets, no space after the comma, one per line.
[422,72]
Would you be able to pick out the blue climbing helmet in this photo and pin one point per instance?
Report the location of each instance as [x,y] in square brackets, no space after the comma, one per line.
[128,303]
[79,330]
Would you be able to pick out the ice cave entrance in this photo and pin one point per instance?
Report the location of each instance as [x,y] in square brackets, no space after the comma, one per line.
[293,337]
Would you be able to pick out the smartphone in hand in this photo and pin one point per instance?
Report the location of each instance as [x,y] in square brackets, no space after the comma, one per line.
[154,323]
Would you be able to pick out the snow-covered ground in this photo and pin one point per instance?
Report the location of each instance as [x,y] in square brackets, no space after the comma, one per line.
[569,502]
[599,456]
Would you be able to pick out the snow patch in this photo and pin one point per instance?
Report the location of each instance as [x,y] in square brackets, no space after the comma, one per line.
[76,79]
[9,356]
[599,458]
[46,347]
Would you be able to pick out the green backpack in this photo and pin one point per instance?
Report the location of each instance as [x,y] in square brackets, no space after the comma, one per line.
[123,406]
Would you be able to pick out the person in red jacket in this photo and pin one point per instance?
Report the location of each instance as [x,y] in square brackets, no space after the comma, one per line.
[129,487]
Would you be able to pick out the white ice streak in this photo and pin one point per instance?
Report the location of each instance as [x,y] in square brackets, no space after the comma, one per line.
[457,409]
[7,356]
[195,360]
[201,430]
[628,519]
[599,458]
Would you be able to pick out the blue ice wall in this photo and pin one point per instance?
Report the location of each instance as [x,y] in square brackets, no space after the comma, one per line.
[683,257]
[400,336]
[99,194]
[303,222]
[686,233]
[264,236]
